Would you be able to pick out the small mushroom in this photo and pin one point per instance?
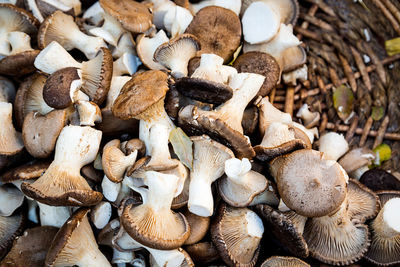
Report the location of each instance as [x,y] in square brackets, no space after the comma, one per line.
[175,54]
[377,179]
[61,28]
[269,114]
[30,249]
[333,145]
[11,198]
[299,74]
[310,119]
[356,161]
[10,228]
[62,183]
[208,165]
[199,227]
[240,185]
[218,30]
[234,229]
[147,45]
[280,261]
[75,244]
[293,58]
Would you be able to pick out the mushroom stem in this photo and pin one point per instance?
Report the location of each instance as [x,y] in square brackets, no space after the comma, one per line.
[53,216]
[111,30]
[276,134]
[238,170]
[10,140]
[305,114]
[333,145]
[269,114]
[387,223]
[201,200]
[158,145]
[110,189]
[210,68]
[128,63]
[19,41]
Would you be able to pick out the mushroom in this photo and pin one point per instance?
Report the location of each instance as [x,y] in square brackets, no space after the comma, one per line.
[176,20]
[31,170]
[143,98]
[333,145]
[111,30]
[233,5]
[147,45]
[280,261]
[10,228]
[208,165]
[385,239]
[117,82]
[53,216]
[94,15]
[89,113]
[356,161]
[293,58]
[175,54]
[240,185]
[153,223]
[43,8]
[62,183]
[310,119]
[61,28]
[301,74]
[30,249]
[218,30]
[127,64]
[260,63]
[309,184]
[11,198]
[74,244]
[377,179]
[203,252]
[199,227]
[125,44]
[160,8]
[234,229]
[209,82]
[7,90]
[101,213]
[269,114]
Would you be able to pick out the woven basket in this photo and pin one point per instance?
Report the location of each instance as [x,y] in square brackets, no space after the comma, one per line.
[337,36]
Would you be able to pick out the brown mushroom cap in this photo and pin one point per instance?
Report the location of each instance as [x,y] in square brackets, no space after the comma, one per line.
[260,63]
[219,31]
[57,89]
[18,18]
[40,133]
[231,233]
[19,64]
[284,229]
[30,249]
[135,17]
[378,179]
[269,153]
[356,158]
[203,252]
[31,170]
[280,261]
[10,227]
[198,227]
[111,125]
[308,184]
[143,91]
[294,58]
[218,130]
[250,120]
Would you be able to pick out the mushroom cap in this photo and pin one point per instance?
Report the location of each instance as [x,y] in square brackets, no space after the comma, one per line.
[198,227]
[284,230]
[203,252]
[19,64]
[40,133]
[196,124]
[57,89]
[308,184]
[135,17]
[250,120]
[18,18]
[111,125]
[356,158]
[140,93]
[386,195]
[269,153]
[280,261]
[260,63]
[293,58]
[219,31]
[31,170]
[30,249]
[204,90]
[234,229]
[10,227]
[378,179]
[11,143]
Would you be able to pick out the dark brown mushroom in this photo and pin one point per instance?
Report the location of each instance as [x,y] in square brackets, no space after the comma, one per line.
[203,252]
[10,227]
[378,179]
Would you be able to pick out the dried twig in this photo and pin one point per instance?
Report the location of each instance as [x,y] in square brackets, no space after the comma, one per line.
[388,15]
[381,132]
[392,9]
[362,68]
[366,130]
[324,7]
[349,73]
[352,129]
[289,100]
[317,22]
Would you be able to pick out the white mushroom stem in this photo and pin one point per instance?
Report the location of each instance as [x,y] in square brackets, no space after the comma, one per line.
[333,145]
[387,224]
[211,68]
[158,145]
[54,57]
[276,134]
[305,114]
[32,214]
[117,82]
[125,45]
[89,113]
[94,14]
[10,139]
[74,4]
[292,77]
[111,30]
[31,5]
[238,170]
[160,8]
[101,214]
[311,133]
[122,256]
[146,47]
[176,20]
[11,199]
[269,114]
[53,216]
[110,189]
[233,5]
[127,64]
[19,41]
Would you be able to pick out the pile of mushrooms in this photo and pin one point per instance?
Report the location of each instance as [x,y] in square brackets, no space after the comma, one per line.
[141,134]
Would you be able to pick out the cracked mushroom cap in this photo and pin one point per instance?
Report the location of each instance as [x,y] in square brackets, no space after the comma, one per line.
[308,184]
[260,63]
[287,228]
[135,17]
[378,179]
[138,95]
[75,244]
[10,228]
[195,124]
[218,30]
[234,229]
[30,249]
[280,261]
[40,133]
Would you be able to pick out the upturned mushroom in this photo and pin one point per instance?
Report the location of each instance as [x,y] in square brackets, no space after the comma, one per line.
[356,161]
[62,183]
[333,145]
[61,28]
[175,54]
[208,165]
[75,244]
[234,229]
[310,119]
[147,45]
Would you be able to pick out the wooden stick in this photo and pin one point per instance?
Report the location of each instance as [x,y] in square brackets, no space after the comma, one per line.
[375,59]
[392,9]
[309,34]
[352,129]
[313,9]
[324,122]
[388,15]
[367,128]
[289,100]
[362,68]
[348,72]
[272,95]
[334,77]
[324,7]
[381,132]
[317,22]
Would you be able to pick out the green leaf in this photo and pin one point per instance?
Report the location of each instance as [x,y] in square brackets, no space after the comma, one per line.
[393,46]
[343,101]
[383,153]
[377,113]
[183,146]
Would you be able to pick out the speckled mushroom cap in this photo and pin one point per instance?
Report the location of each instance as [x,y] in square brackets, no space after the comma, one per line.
[135,17]
[260,63]
[219,31]
[10,227]
[308,184]
[280,261]
[19,64]
[140,93]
